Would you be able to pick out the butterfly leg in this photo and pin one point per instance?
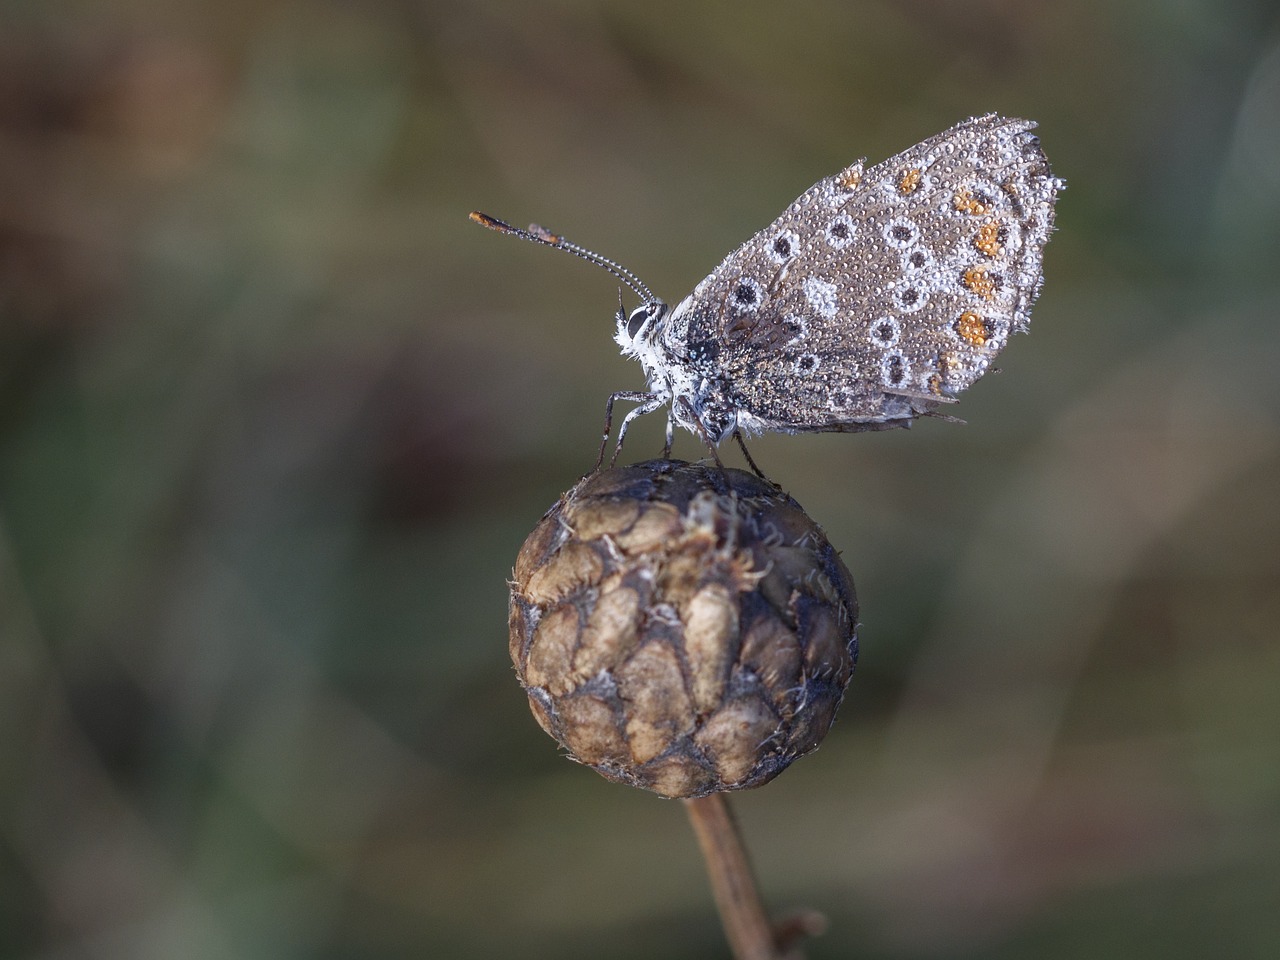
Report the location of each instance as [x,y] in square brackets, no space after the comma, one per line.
[691,417]
[671,435]
[654,401]
[742,445]
[633,396]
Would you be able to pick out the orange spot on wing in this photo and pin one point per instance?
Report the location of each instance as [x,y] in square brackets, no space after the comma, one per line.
[910,180]
[972,329]
[966,202]
[851,177]
[988,239]
[979,281]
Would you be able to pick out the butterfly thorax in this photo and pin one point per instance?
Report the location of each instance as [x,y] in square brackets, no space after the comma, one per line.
[688,375]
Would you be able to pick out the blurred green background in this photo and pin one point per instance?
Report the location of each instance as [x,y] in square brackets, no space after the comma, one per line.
[275,419]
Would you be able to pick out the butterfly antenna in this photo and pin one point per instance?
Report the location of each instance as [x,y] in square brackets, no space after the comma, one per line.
[542,235]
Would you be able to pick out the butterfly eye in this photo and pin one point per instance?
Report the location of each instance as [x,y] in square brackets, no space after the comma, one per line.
[638,317]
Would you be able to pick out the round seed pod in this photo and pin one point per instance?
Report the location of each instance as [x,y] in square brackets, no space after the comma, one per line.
[682,628]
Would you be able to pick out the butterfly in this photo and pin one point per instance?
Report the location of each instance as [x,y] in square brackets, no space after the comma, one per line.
[875,298]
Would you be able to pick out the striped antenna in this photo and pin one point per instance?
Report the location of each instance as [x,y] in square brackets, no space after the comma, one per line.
[542,235]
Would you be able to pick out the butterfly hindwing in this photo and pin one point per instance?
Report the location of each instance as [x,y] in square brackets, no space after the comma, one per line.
[882,291]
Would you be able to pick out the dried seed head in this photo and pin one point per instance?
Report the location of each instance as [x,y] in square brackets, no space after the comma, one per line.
[682,628]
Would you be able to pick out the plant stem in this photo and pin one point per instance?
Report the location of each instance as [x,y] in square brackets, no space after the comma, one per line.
[742,913]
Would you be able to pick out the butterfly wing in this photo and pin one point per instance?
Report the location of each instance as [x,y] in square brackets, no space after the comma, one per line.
[881,292]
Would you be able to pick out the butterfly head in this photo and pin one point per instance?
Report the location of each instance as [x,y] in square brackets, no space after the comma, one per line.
[636,329]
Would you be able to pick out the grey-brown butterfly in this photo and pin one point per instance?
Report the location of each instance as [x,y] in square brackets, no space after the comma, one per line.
[875,298]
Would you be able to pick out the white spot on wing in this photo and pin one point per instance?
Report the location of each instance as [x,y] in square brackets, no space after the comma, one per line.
[821,295]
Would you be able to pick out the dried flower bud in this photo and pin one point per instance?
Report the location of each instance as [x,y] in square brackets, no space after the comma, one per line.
[682,628]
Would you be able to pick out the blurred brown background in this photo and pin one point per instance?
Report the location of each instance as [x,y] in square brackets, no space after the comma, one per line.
[275,418]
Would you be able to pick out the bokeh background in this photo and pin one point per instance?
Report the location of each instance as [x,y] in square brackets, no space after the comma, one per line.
[275,418]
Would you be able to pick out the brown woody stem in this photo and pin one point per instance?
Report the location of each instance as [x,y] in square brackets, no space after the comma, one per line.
[747,926]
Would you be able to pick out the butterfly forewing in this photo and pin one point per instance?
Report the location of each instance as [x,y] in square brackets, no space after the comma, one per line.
[885,290]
